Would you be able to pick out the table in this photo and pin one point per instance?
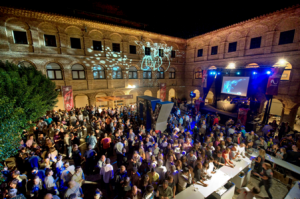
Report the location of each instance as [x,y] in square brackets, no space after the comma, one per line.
[294,192]
[217,180]
[278,161]
[239,166]
[189,193]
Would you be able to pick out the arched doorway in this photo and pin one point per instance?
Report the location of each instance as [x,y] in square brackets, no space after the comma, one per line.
[171,94]
[287,69]
[60,104]
[119,103]
[101,105]
[81,101]
[209,98]
[297,121]
[158,94]
[148,93]
[275,111]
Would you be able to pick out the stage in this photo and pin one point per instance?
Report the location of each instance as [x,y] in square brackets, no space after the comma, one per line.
[211,109]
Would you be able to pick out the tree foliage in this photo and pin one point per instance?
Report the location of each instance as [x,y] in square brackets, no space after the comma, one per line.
[25,95]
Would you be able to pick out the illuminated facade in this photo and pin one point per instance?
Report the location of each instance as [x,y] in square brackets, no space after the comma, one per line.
[99,59]
[96,59]
[269,40]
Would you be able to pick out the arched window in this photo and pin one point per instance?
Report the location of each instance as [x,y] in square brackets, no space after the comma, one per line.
[171,73]
[160,73]
[198,73]
[25,63]
[117,72]
[132,74]
[147,74]
[54,71]
[78,71]
[98,72]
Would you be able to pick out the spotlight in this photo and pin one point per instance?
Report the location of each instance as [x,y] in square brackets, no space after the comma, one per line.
[268,72]
[238,73]
[219,73]
[254,73]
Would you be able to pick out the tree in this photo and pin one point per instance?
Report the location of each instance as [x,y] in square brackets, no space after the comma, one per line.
[25,95]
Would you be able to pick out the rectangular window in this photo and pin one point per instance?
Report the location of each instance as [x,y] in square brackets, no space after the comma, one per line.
[200,53]
[173,54]
[51,74]
[161,52]
[97,45]
[50,40]
[132,49]
[58,74]
[232,47]
[160,75]
[171,75]
[255,42]
[75,43]
[116,47]
[286,37]
[99,74]
[20,37]
[132,75]
[147,75]
[214,50]
[147,51]
[75,74]
[81,75]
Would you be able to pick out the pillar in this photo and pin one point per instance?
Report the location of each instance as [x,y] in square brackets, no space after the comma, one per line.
[269,36]
[289,115]
[92,99]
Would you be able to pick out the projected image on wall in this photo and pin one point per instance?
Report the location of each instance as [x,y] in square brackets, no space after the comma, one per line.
[235,85]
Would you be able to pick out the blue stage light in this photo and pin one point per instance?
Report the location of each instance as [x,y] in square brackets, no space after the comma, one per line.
[254,73]
[219,73]
[238,73]
[268,72]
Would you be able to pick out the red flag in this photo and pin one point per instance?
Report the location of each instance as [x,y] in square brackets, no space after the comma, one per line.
[273,81]
[67,94]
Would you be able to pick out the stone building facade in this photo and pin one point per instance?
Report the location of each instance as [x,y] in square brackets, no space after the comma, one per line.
[190,58]
[84,62]
[270,29]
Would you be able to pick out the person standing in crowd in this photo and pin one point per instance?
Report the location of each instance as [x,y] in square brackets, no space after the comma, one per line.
[266,175]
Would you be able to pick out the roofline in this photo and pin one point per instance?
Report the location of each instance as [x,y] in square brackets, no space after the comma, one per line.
[246,21]
[7,10]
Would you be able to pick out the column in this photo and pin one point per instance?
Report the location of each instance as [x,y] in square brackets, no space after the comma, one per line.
[34,44]
[92,99]
[108,74]
[125,77]
[205,52]
[289,115]
[242,46]
[269,37]
[63,43]
[221,50]
[4,44]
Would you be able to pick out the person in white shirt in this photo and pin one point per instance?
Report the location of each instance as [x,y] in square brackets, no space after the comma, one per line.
[184,178]
[246,193]
[107,172]
[241,149]
[191,158]
[161,170]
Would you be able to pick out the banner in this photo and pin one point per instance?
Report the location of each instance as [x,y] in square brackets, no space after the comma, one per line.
[163,88]
[242,116]
[113,98]
[67,94]
[204,79]
[273,81]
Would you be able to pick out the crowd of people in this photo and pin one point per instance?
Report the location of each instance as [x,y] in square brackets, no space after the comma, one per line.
[134,162]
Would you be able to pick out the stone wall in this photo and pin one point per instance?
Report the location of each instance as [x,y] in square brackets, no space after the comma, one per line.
[37,24]
[267,27]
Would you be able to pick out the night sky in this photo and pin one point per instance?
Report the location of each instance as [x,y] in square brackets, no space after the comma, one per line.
[183,19]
